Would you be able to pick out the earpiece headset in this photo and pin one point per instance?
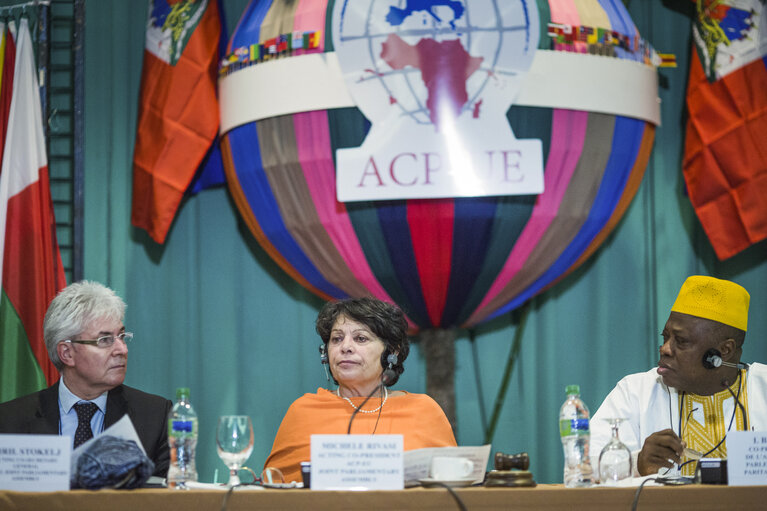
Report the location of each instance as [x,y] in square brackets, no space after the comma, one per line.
[713,359]
[324,360]
[388,360]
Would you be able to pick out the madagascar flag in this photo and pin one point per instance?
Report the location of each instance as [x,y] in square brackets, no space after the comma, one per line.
[178,112]
[725,158]
[29,254]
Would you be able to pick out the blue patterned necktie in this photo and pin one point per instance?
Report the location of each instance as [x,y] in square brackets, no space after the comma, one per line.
[85,412]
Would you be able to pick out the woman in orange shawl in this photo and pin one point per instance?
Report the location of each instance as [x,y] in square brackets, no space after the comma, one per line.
[364,344]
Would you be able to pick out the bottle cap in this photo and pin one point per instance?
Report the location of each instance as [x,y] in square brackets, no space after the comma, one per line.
[182,392]
[573,389]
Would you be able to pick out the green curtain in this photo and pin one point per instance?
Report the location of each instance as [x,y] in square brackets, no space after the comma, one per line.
[211,311]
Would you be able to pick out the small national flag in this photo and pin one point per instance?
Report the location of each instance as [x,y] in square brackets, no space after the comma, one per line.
[297,40]
[314,39]
[271,45]
[667,60]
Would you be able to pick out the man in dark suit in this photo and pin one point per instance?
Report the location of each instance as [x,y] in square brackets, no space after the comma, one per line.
[88,344]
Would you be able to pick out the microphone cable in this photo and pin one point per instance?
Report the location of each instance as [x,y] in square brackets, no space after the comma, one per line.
[452,493]
[378,417]
[386,377]
[737,400]
[729,427]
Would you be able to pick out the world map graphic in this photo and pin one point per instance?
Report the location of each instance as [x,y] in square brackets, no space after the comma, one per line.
[435,79]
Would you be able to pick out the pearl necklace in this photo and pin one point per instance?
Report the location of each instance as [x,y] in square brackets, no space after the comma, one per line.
[386,395]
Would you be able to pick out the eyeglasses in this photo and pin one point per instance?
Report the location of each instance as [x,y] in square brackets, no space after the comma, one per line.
[106,341]
[270,477]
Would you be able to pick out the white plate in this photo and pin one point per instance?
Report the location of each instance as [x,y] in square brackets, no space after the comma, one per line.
[458,483]
[283,486]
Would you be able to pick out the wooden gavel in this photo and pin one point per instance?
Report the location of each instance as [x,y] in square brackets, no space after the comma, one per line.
[519,461]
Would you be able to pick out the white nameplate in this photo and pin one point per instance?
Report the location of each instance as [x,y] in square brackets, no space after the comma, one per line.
[357,462]
[35,462]
[746,458]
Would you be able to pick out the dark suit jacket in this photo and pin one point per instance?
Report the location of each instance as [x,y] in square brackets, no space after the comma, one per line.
[38,413]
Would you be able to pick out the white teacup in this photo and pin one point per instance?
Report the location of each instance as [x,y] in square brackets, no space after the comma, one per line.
[450,468]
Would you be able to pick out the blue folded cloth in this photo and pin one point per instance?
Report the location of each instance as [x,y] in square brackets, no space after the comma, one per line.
[111,462]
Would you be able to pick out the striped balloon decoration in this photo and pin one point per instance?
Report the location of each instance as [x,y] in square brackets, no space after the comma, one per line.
[446,262]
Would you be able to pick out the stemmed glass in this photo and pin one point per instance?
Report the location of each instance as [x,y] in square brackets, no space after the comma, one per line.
[234,443]
[615,458]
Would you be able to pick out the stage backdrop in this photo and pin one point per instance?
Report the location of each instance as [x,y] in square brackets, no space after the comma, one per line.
[213,312]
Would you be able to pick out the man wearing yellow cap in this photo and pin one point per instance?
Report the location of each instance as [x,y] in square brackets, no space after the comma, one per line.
[698,392]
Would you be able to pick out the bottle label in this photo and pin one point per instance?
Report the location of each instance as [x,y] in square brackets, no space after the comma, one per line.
[182,426]
[573,427]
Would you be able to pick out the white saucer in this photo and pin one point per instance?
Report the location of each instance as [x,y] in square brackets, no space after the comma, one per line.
[428,482]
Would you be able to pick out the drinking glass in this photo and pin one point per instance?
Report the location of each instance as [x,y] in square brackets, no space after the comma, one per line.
[234,443]
[615,458]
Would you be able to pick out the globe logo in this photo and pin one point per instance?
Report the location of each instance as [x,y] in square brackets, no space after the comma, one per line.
[436,78]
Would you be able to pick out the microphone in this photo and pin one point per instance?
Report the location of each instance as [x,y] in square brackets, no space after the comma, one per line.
[324,360]
[387,376]
[726,384]
[713,359]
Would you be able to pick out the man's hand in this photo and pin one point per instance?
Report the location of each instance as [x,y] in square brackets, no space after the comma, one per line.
[661,449]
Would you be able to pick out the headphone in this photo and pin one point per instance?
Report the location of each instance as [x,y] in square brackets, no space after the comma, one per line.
[388,360]
[713,359]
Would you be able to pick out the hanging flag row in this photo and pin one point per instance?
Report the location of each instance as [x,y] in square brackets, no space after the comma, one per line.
[282,45]
[602,41]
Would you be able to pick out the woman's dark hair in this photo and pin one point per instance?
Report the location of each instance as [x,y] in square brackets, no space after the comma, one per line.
[385,320]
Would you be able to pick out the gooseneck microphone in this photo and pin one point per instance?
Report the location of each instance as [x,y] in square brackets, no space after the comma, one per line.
[387,376]
[713,359]
[726,384]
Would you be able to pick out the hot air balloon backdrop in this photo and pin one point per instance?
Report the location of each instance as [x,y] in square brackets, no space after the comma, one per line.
[450,261]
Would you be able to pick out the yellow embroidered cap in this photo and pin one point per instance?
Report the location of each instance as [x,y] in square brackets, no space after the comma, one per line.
[715,299]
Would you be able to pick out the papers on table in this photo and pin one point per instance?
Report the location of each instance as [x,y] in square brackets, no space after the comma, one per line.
[418,462]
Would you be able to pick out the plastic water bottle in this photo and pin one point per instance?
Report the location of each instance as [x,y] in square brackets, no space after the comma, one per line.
[182,439]
[574,431]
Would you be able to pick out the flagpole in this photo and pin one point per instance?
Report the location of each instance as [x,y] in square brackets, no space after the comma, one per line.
[33,3]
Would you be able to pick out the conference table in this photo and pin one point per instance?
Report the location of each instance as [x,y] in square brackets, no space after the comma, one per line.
[543,497]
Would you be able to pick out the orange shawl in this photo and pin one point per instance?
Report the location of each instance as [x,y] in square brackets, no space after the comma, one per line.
[415,416]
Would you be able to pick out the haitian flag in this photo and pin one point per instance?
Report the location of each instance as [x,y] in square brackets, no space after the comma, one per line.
[725,160]
[30,260]
[178,113]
